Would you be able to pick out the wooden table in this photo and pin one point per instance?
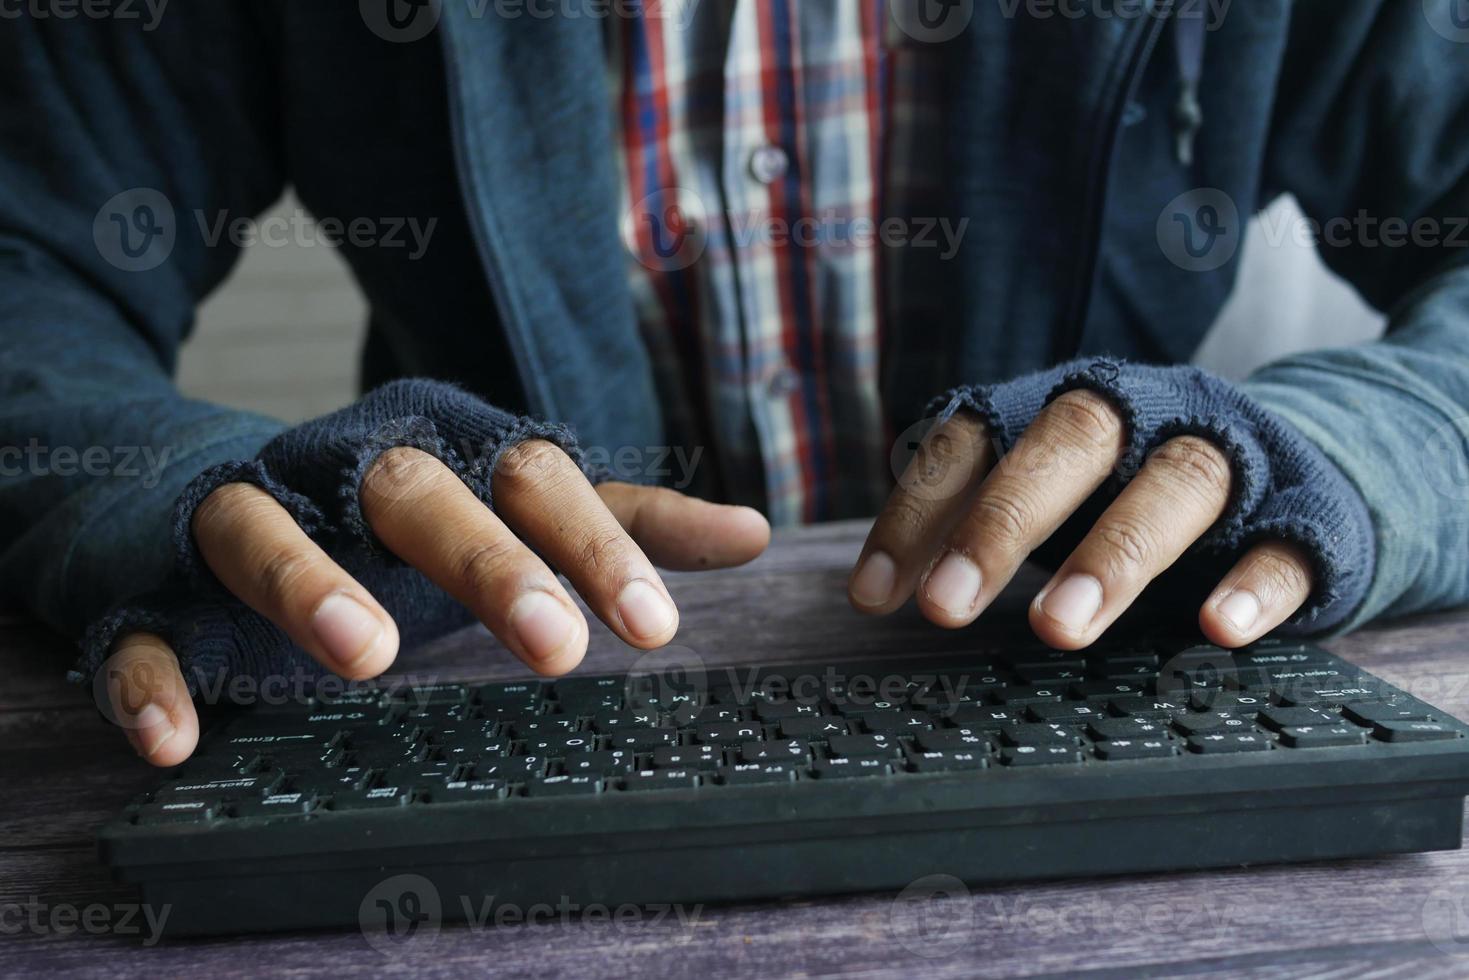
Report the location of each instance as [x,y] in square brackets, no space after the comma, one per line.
[65,772]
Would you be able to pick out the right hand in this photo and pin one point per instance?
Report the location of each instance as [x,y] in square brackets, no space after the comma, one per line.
[606,539]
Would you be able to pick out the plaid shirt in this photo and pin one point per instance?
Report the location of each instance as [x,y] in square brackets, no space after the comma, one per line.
[760,143]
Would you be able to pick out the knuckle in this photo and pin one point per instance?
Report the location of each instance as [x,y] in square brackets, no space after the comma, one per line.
[904,515]
[1005,519]
[1086,415]
[483,564]
[400,473]
[1195,462]
[1282,572]
[532,463]
[223,503]
[1128,543]
[601,549]
[280,575]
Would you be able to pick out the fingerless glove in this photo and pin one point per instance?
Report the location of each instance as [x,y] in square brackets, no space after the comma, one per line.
[315,472]
[1283,485]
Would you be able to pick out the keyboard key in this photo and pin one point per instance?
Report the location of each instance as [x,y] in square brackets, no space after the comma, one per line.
[606,722]
[1039,755]
[1151,707]
[1029,694]
[1237,702]
[896,722]
[1207,722]
[844,768]
[1371,713]
[1049,674]
[1221,742]
[243,787]
[1128,728]
[642,739]
[516,769]
[560,744]
[958,760]
[860,745]
[654,779]
[276,805]
[1279,719]
[756,773]
[786,750]
[535,725]
[469,791]
[825,726]
[1413,731]
[177,811]
[728,733]
[428,694]
[607,762]
[1064,713]
[378,797]
[688,757]
[1038,734]
[780,710]
[982,716]
[714,714]
[1126,749]
[953,740]
[1104,689]
[563,786]
[1322,736]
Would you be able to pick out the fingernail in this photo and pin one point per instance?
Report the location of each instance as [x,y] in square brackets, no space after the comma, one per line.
[954,584]
[543,625]
[1074,602]
[153,729]
[875,579]
[346,629]
[644,610]
[1240,609]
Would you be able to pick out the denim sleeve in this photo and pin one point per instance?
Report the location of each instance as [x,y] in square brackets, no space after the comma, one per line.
[106,154]
[1370,136]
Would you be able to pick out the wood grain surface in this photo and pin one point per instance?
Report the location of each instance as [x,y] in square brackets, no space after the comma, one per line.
[65,771]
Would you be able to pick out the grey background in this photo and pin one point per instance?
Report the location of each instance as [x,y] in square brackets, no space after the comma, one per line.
[282,336]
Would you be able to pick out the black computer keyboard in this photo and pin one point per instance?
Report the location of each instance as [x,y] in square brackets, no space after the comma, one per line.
[767,781]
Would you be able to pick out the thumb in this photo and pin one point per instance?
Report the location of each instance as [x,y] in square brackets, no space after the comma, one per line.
[684,533]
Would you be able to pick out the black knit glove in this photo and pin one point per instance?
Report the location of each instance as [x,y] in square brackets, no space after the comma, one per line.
[1283,486]
[315,471]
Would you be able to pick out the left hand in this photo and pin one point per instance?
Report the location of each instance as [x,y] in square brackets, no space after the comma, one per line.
[958,545]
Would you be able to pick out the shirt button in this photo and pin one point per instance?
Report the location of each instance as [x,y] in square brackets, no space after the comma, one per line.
[768,163]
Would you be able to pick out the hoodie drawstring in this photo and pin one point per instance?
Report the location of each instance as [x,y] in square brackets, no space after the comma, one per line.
[1188,115]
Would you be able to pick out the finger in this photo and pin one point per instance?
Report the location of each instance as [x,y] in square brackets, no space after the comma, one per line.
[261,555]
[1060,460]
[931,494]
[1180,492]
[685,533]
[428,517]
[150,701]
[545,497]
[1263,590]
